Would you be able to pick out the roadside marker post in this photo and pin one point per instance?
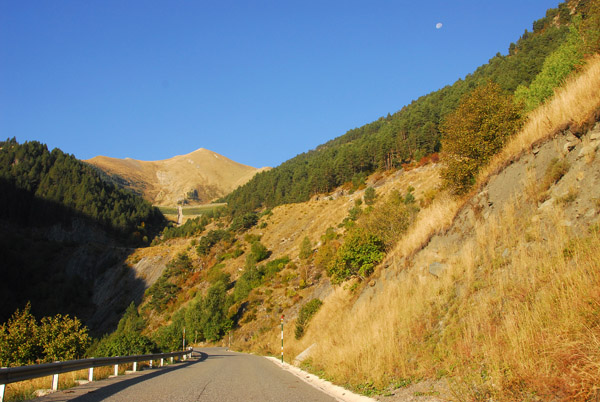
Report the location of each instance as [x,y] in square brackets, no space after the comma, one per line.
[282,338]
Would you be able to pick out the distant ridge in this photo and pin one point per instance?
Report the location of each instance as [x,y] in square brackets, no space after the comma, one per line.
[198,177]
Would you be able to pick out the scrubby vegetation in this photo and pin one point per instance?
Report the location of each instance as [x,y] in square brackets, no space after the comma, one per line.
[306,313]
[191,227]
[357,256]
[127,339]
[476,131]
[511,318]
[24,340]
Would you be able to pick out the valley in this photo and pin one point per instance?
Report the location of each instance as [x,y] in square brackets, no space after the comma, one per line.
[447,252]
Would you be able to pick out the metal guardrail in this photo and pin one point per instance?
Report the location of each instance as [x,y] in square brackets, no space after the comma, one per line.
[9,375]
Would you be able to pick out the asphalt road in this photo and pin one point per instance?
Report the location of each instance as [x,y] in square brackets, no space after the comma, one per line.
[216,375]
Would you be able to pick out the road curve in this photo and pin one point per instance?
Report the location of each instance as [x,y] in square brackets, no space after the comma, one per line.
[217,375]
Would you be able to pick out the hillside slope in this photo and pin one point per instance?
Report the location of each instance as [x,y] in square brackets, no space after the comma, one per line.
[199,177]
[493,296]
[61,227]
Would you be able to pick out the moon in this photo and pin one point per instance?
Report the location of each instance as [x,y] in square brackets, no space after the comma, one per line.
[438,25]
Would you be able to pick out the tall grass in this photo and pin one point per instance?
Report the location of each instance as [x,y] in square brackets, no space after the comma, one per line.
[572,103]
[25,390]
[517,314]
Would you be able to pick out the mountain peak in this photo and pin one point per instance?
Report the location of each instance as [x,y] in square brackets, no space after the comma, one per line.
[197,177]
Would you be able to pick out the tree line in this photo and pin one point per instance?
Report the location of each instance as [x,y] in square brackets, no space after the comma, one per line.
[416,130]
[41,187]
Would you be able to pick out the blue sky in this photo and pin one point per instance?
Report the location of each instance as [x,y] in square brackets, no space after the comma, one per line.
[256,81]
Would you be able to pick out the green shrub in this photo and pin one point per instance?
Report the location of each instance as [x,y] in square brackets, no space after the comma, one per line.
[477,130]
[206,243]
[160,293]
[370,196]
[244,222]
[258,253]
[24,341]
[255,276]
[358,255]
[190,228]
[306,313]
[124,344]
[305,249]
[215,274]
[391,218]
[181,263]
[556,68]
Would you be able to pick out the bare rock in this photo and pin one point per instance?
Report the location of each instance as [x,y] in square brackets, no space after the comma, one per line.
[570,137]
[547,205]
[587,150]
[304,355]
[42,392]
[569,146]
[437,269]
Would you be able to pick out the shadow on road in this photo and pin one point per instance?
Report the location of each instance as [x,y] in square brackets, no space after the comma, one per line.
[102,389]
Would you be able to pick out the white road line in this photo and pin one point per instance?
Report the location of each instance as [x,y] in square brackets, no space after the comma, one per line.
[335,391]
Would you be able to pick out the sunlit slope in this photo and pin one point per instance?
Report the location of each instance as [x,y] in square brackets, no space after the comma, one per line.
[198,177]
[495,294]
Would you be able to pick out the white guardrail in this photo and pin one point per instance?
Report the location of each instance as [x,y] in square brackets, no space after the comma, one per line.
[9,375]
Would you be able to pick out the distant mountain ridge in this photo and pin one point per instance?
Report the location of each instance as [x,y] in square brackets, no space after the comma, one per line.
[198,177]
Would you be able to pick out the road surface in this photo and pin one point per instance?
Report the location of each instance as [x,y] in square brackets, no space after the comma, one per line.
[217,375]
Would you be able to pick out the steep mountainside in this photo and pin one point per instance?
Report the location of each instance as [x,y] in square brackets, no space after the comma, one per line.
[198,177]
[492,296]
[61,228]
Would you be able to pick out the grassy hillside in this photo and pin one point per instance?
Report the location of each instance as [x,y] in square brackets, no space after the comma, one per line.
[513,316]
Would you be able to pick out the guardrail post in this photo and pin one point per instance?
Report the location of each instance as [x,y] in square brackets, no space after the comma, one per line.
[134,367]
[10,375]
[55,382]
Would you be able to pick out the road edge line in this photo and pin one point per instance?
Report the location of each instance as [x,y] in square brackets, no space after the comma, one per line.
[335,391]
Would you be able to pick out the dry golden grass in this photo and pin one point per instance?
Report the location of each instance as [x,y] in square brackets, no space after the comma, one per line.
[572,103]
[25,390]
[521,324]
[501,327]
[432,220]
